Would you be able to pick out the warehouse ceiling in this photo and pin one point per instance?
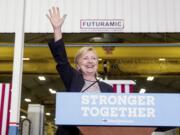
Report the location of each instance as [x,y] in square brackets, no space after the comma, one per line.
[128,56]
[89,37]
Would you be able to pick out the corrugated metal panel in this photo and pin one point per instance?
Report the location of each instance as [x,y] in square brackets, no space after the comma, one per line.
[7,15]
[138,15]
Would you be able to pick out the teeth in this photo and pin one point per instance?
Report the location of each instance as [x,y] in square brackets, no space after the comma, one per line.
[90,66]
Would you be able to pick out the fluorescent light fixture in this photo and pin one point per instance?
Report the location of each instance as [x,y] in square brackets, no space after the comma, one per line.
[162,59]
[27,99]
[26,58]
[97,38]
[150,78]
[142,90]
[99,59]
[41,78]
[52,91]
[99,78]
[48,114]
[23,117]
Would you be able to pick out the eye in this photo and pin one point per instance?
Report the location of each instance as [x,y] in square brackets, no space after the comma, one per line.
[94,58]
[85,58]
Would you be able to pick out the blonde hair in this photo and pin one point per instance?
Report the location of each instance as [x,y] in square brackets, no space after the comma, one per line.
[83,51]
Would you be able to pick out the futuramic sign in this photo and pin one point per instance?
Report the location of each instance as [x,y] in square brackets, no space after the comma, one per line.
[101,25]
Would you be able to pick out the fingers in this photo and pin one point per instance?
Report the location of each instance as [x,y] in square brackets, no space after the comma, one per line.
[48,17]
[54,16]
[58,12]
[54,10]
[50,13]
[64,16]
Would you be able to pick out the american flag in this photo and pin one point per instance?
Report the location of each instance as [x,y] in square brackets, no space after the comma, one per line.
[5,99]
[121,86]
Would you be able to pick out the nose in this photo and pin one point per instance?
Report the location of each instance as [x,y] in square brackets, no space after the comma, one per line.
[90,60]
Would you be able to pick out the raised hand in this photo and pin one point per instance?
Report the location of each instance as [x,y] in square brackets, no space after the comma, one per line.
[55,18]
[56,21]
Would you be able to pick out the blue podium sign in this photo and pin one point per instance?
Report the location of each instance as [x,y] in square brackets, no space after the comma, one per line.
[118,109]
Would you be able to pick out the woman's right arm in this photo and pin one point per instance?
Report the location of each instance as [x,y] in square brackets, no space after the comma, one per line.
[57,47]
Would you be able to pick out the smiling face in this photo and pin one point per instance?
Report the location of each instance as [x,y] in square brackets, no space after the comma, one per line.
[87,61]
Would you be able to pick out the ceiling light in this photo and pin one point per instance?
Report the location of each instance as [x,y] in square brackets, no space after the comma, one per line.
[97,38]
[41,78]
[99,78]
[150,78]
[26,58]
[162,59]
[48,114]
[27,99]
[100,59]
[52,91]
[142,90]
[23,117]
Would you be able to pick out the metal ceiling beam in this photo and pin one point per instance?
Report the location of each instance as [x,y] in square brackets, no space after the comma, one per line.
[129,59]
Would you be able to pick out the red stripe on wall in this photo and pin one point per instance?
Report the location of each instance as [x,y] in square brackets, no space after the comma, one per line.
[2,106]
[8,111]
[122,88]
[131,88]
[114,88]
[14,123]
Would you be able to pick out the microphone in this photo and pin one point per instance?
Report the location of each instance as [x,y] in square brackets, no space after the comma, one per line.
[89,86]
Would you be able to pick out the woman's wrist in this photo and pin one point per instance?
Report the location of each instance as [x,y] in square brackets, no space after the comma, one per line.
[57,34]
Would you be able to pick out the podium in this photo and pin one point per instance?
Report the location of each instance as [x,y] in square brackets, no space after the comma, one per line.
[111,114]
[94,130]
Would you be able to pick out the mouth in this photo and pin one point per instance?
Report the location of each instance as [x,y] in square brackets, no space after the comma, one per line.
[90,66]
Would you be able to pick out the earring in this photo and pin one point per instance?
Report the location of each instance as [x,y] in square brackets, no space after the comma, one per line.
[77,67]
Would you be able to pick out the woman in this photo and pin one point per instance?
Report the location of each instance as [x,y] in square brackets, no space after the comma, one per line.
[82,79]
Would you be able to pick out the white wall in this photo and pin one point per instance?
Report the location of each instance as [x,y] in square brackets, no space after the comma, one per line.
[138,15]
